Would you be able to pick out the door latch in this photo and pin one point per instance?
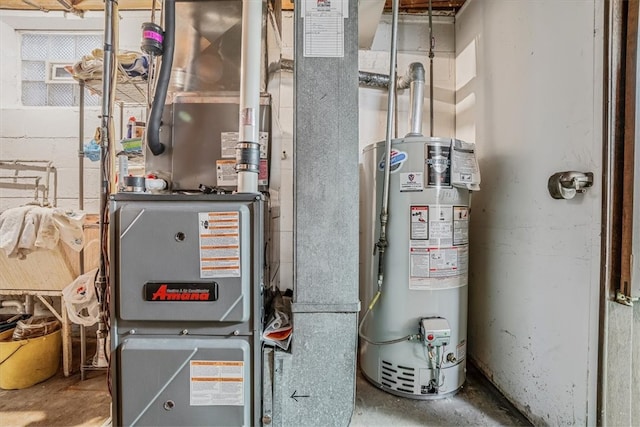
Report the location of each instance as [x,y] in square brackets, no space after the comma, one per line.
[565,185]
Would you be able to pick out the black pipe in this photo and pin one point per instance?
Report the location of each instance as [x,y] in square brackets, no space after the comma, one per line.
[164,75]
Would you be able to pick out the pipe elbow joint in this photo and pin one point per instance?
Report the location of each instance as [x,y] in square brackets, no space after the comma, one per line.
[416,72]
[157,149]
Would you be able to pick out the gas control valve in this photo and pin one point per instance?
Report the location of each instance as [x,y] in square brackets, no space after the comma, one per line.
[435,331]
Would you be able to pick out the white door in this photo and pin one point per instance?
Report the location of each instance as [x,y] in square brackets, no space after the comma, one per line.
[529,93]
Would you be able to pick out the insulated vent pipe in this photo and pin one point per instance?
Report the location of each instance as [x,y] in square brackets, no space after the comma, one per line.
[248,148]
[164,75]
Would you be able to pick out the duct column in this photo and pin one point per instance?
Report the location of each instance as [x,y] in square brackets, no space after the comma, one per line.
[248,149]
[315,383]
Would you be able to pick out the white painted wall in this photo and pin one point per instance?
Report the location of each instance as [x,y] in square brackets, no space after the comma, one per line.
[529,93]
[51,133]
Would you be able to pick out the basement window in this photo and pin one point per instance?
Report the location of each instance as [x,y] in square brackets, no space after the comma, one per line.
[44,80]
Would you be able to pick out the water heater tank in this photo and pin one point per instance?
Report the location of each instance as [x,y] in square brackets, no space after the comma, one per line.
[424,292]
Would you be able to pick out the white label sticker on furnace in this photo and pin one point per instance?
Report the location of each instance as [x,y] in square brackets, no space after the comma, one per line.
[219,244]
[228,141]
[411,181]
[441,224]
[216,383]
[226,173]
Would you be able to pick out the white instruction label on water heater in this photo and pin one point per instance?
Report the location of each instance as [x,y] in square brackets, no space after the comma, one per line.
[443,262]
[461,350]
[438,246]
[411,181]
[437,268]
[460,225]
[219,244]
[216,383]
[441,225]
[419,222]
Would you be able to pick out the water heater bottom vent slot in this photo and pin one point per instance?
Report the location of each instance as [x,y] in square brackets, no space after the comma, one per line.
[397,377]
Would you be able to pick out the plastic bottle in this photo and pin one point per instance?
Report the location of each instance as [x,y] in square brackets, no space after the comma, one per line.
[131,124]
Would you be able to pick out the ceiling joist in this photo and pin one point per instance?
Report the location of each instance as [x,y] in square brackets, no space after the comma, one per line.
[77,6]
[72,6]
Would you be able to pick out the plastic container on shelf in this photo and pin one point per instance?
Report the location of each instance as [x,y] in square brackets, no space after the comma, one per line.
[131,124]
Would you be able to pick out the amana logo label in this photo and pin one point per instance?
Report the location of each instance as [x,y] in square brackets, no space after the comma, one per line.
[182,292]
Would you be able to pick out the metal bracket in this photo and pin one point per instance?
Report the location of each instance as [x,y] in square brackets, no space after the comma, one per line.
[565,185]
[626,300]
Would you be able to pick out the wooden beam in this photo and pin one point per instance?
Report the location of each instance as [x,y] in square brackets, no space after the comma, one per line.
[423,5]
[407,5]
[630,124]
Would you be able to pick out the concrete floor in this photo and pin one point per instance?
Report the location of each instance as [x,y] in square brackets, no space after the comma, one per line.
[478,404]
[62,401]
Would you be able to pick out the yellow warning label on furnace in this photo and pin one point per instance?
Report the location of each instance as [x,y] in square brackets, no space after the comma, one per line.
[219,244]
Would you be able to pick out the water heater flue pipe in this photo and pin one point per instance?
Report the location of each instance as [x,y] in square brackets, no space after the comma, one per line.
[164,75]
[414,78]
[248,149]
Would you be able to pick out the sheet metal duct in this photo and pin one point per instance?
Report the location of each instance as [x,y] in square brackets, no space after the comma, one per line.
[208,46]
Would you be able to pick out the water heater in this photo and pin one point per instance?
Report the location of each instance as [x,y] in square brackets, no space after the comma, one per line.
[413,338]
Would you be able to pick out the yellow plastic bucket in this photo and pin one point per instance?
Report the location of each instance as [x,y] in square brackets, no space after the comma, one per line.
[27,362]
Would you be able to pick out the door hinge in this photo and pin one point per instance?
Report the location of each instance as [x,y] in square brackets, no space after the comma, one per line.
[625,299]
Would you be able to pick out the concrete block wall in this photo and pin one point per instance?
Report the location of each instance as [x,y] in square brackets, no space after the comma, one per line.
[51,133]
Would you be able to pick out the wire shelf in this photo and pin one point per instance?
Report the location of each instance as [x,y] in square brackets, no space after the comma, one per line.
[131,91]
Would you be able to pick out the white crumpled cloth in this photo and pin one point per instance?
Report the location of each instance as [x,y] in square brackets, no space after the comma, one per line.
[29,228]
